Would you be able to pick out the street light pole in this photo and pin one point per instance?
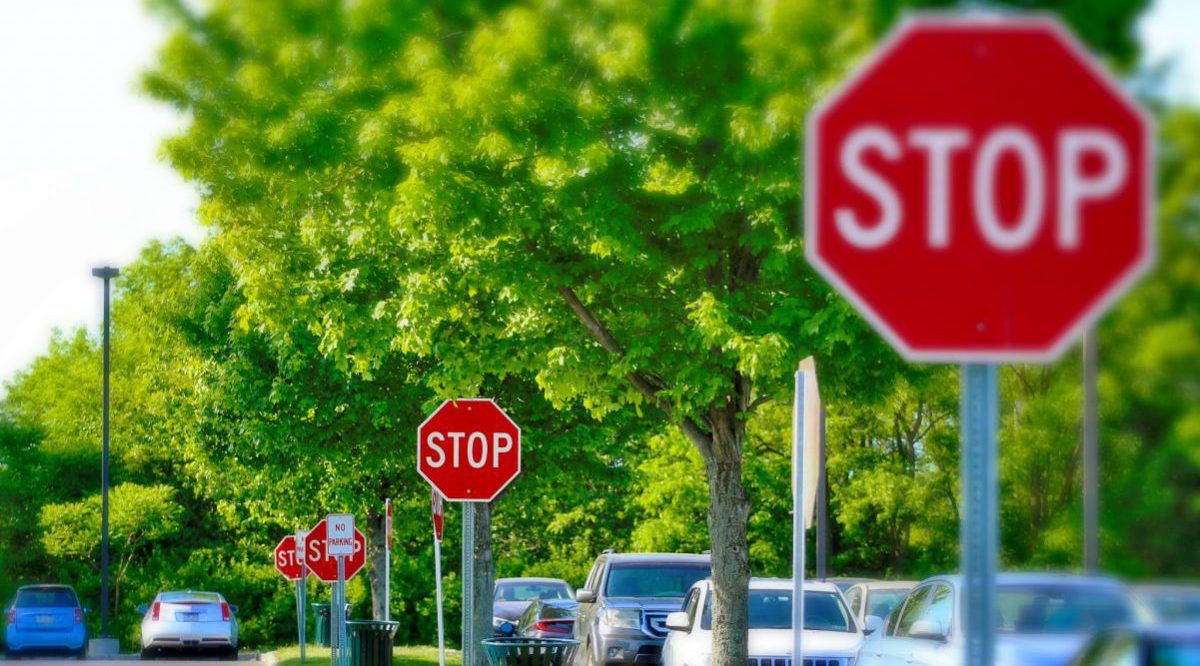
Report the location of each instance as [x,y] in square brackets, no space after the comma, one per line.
[106,273]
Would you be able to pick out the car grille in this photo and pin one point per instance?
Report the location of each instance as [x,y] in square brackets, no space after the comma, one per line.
[808,661]
[655,624]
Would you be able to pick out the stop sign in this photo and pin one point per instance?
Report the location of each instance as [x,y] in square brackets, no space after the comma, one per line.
[286,561]
[979,189]
[322,564]
[469,450]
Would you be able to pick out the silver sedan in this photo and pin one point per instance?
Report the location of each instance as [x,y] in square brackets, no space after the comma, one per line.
[191,621]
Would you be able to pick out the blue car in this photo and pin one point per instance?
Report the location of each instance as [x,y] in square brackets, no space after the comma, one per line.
[45,618]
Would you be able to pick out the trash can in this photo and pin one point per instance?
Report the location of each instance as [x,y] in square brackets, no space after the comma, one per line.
[321,635]
[324,624]
[515,651]
[370,642]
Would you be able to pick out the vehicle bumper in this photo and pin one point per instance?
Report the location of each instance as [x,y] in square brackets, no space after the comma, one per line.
[25,641]
[623,649]
[190,636]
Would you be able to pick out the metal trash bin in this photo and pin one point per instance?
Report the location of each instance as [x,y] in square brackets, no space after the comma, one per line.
[321,634]
[517,651]
[370,642]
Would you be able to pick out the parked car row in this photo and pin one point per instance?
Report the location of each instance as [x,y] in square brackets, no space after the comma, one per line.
[657,609]
[48,619]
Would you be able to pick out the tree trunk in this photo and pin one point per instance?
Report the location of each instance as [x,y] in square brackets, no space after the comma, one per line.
[376,556]
[485,579]
[728,513]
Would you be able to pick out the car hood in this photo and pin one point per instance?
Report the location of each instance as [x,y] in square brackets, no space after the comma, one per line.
[509,610]
[778,643]
[1034,650]
[652,604]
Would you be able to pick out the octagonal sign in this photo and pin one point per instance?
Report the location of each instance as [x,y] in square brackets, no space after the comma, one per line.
[469,450]
[979,189]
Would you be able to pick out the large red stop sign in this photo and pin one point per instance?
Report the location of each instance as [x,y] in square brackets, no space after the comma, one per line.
[469,450]
[979,189]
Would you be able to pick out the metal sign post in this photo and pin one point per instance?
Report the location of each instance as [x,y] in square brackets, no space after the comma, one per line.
[437,572]
[340,627]
[1091,456]
[468,584]
[387,561]
[798,521]
[979,534]
[302,590]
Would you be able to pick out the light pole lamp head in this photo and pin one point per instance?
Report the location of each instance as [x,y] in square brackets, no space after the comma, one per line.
[105,272]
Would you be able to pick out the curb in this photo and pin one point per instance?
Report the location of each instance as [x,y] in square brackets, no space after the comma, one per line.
[268,658]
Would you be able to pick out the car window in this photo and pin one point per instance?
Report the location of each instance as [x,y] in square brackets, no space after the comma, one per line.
[772,609]
[690,605]
[910,612]
[46,597]
[940,608]
[531,591]
[654,579]
[853,597]
[1061,609]
[881,603]
[593,581]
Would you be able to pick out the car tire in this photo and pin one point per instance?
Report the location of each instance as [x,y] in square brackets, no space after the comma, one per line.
[12,655]
[230,655]
[80,654]
[148,654]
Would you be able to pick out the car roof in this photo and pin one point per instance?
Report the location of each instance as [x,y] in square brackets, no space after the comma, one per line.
[46,586]
[780,584]
[887,584]
[530,580]
[658,557]
[1018,578]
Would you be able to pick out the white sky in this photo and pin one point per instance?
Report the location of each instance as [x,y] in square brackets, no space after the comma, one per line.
[80,183]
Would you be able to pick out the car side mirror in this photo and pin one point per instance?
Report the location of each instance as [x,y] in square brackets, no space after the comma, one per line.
[927,629]
[585,596]
[678,621]
[233,609]
[873,624]
[143,609]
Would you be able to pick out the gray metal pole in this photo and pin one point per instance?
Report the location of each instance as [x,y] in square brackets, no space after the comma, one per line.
[979,534]
[1091,455]
[468,584]
[106,273]
[798,521]
[822,507]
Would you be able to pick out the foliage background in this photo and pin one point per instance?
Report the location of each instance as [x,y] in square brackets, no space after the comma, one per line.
[255,388]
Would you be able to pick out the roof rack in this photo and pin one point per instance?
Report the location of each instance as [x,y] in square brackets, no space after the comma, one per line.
[608,551]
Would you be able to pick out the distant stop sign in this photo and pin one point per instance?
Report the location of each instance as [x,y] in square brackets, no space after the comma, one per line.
[979,189]
[322,564]
[469,450]
[286,561]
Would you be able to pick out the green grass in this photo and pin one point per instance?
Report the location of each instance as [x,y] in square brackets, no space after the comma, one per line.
[408,655]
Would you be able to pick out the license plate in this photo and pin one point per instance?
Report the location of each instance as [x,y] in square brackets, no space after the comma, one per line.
[187,617]
[44,619]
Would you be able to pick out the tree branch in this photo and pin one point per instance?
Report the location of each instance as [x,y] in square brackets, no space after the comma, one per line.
[645,385]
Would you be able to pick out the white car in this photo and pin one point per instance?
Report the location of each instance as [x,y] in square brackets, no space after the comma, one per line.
[199,621]
[1043,620]
[831,636]
[876,597]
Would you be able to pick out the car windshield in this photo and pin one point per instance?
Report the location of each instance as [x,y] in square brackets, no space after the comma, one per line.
[881,602]
[530,591]
[1061,609]
[654,579]
[46,597]
[772,609]
[1174,607]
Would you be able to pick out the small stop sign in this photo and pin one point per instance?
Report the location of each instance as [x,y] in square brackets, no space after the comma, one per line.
[287,563]
[469,450]
[979,189]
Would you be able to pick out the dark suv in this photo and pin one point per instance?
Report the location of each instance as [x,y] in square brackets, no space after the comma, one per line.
[623,607]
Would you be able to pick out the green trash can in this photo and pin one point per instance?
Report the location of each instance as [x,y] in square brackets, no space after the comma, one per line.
[370,642]
[321,635]
[516,651]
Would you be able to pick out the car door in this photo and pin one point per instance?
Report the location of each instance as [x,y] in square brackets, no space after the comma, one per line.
[587,612]
[894,646]
[939,611]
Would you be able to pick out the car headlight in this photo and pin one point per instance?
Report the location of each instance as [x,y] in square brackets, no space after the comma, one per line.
[621,619]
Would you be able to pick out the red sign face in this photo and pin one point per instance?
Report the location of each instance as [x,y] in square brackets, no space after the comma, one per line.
[322,564]
[286,561]
[979,189]
[469,450]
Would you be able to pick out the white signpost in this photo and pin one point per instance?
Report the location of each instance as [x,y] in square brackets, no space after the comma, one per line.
[806,438]
[339,543]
